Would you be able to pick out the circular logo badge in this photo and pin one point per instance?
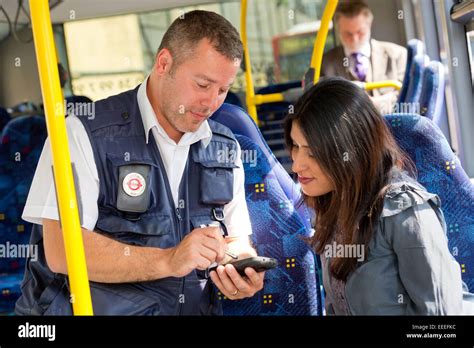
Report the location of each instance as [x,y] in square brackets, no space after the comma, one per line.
[134,184]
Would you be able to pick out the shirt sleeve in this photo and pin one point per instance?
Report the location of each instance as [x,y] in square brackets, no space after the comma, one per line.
[41,202]
[429,273]
[236,215]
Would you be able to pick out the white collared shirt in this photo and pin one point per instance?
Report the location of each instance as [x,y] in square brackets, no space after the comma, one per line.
[366,51]
[41,202]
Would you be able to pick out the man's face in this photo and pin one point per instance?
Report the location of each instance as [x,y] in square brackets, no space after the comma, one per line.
[354,32]
[197,87]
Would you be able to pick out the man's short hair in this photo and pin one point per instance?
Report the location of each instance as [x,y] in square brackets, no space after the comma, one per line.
[188,30]
[352,9]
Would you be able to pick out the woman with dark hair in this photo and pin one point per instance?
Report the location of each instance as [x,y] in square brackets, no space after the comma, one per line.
[379,233]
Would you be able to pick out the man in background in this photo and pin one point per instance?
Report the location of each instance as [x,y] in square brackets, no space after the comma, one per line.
[361,58]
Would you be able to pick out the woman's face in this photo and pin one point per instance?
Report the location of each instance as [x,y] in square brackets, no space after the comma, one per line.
[314,182]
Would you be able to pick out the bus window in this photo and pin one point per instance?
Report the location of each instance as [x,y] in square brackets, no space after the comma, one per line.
[292,50]
[470,45]
[280,44]
[99,62]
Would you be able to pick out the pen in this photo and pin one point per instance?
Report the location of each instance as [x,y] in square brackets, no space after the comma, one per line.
[235,257]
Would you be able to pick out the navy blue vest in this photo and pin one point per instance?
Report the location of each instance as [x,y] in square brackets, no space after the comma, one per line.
[152,219]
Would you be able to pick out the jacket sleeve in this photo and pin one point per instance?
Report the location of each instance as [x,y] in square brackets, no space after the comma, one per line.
[428,271]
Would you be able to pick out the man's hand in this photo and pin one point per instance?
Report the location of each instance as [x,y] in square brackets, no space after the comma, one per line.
[234,286]
[198,250]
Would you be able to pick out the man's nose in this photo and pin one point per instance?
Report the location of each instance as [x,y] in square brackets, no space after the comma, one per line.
[211,100]
[356,38]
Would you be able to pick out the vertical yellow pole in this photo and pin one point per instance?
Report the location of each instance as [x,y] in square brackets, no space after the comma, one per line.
[250,92]
[318,49]
[56,124]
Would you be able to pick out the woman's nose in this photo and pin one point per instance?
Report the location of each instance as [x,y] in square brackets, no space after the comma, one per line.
[298,163]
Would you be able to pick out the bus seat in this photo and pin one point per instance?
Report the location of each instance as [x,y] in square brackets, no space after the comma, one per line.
[416,74]
[9,292]
[233,98]
[4,118]
[22,142]
[440,172]
[271,116]
[414,47]
[242,124]
[432,91]
[8,211]
[24,108]
[278,231]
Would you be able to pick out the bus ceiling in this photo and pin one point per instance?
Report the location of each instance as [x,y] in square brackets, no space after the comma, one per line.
[67,10]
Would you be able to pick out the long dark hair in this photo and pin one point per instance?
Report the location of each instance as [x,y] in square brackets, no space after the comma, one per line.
[353,146]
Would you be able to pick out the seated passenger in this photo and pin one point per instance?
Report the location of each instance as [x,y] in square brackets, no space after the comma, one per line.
[381,236]
[361,58]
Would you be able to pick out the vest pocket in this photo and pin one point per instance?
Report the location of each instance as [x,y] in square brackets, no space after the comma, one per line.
[55,298]
[122,299]
[217,182]
[151,230]
[148,224]
[130,184]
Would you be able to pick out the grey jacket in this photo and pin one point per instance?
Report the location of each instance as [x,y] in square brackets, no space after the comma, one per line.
[409,269]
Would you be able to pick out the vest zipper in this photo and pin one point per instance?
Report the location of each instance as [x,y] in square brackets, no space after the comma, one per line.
[179,220]
[179,217]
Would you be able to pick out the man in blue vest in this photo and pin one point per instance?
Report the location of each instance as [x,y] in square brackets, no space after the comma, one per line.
[152,181]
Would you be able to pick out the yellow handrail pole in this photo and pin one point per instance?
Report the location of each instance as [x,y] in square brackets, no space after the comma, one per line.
[250,92]
[56,124]
[382,84]
[268,98]
[318,48]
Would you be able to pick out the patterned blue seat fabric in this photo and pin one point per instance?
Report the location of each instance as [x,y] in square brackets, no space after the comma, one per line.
[233,98]
[440,171]
[241,123]
[10,291]
[21,145]
[293,288]
[271,117]
[278,229]
[414,47]
[419,63]
[4,118]
[432,92]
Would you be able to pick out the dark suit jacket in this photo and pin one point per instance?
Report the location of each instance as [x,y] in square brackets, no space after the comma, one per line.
[387,62]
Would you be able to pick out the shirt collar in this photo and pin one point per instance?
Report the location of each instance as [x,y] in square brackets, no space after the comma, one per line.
[150,121]
[365,50]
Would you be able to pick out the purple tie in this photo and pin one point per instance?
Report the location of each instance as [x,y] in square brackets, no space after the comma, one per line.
[359,68]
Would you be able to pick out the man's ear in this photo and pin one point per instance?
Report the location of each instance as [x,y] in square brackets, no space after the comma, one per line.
[163,61]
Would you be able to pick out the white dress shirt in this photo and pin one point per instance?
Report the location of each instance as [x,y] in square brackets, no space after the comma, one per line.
[41,202]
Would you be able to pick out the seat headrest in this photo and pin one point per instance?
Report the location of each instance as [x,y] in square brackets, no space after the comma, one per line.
[240,123]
